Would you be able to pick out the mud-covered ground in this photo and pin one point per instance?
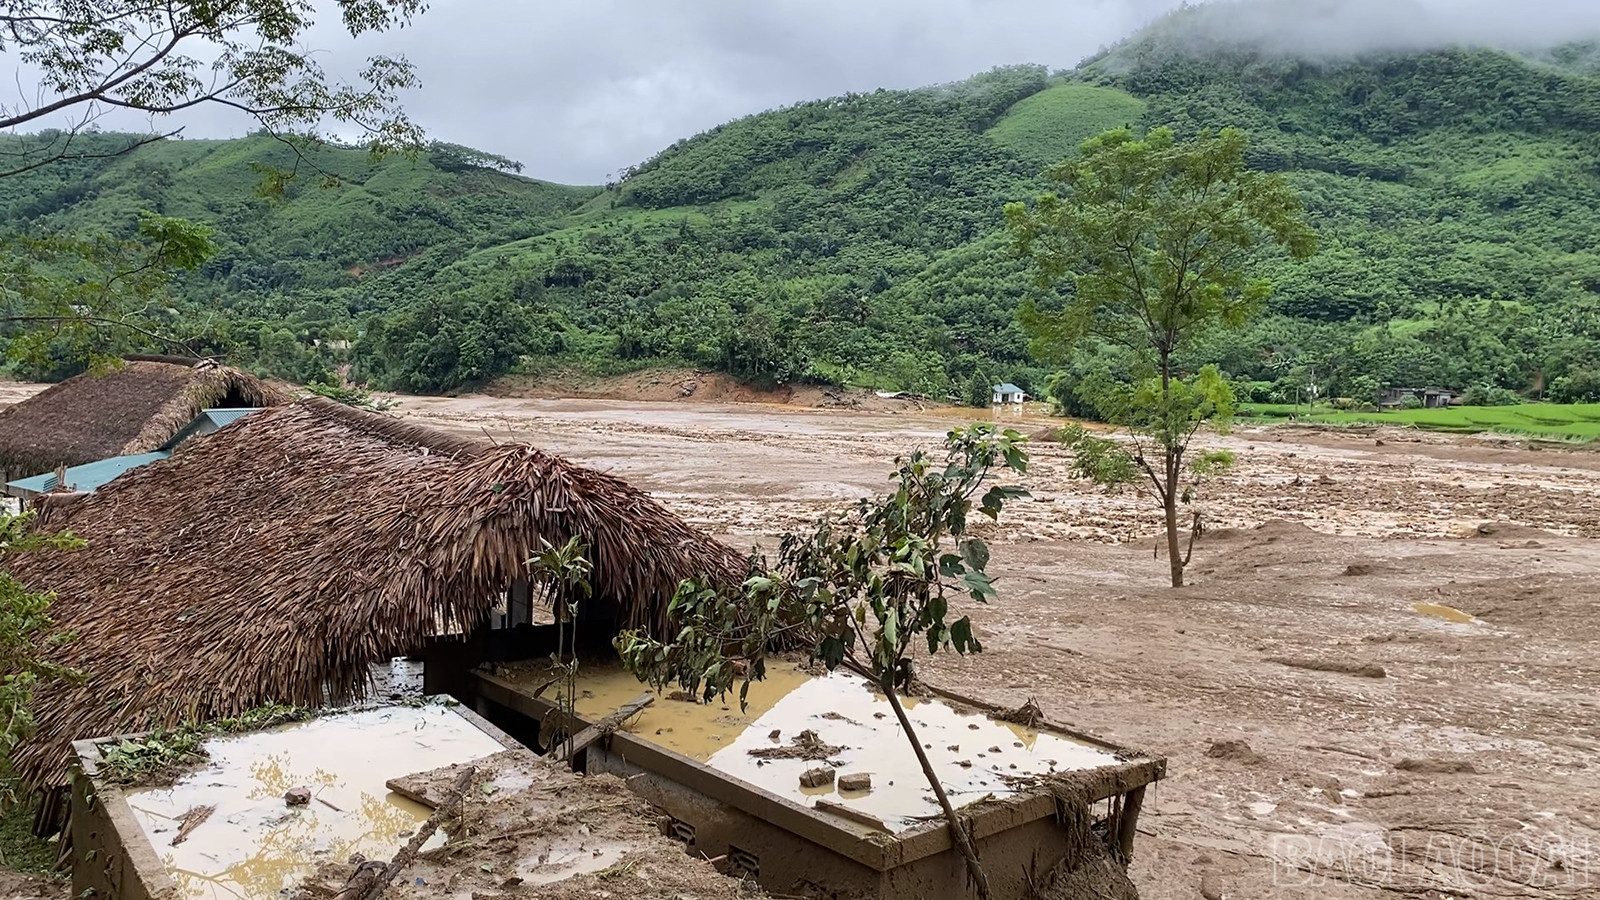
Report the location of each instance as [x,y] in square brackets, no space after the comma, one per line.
[1468,769]
[531,828]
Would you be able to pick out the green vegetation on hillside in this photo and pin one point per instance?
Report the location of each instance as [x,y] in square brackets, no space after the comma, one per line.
[1456,194]
[291,276]
[1048,126]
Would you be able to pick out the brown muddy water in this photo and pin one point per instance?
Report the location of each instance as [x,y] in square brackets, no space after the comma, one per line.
[1447,613]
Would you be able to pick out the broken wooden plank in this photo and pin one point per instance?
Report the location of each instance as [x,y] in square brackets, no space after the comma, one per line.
[191,820]
[604,727]
[854,815]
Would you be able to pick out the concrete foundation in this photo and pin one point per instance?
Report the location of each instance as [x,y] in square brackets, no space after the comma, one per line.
[113,857]
[794,849]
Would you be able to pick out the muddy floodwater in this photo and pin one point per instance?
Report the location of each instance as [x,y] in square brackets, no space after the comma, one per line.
[1380,681]
[253,846]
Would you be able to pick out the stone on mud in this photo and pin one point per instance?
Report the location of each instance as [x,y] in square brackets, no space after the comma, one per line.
[1234,751]
[1436,766]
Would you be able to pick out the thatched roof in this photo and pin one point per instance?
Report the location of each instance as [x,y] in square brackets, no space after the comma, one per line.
[133,408]
[276,559]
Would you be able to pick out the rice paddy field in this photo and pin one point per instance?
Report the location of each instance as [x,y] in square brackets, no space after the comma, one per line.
[1578,422]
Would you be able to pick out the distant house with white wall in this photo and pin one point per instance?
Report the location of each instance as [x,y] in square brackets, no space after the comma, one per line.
[1008,393]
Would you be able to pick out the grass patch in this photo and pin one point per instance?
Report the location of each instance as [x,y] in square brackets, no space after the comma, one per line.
[20,849]
[166,752]
[1569,422]
[1048,127]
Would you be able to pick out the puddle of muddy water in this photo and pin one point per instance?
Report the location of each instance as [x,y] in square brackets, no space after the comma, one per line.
[696,730]
[254,846]
[973,753]
[567,858]
[1447,613]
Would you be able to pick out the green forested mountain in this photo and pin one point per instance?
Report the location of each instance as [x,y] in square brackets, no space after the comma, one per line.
[1456,192]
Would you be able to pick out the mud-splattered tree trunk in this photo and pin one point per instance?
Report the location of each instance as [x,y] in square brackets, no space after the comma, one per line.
[1170,504]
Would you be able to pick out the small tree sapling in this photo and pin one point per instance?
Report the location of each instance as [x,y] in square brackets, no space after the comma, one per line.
[859,591]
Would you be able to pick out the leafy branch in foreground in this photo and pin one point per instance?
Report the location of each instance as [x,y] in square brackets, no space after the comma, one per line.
[78,296]
[860,591]
[25,624]
[247,56]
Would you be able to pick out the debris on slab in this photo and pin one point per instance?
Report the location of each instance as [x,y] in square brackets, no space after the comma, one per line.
[191,820]
[297,796]
[806,745]
[818,777]
[539,824]
[1028,715]
[856,781]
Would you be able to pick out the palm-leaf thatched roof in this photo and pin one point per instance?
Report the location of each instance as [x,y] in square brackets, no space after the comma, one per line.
[278,558]
[132,408]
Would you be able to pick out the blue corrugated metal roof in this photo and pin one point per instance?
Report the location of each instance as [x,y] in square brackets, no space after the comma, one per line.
[227,416]
[1008,388]
[88,476]
[208,421]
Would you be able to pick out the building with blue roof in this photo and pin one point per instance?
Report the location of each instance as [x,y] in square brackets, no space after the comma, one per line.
[86,478]
[1008,393]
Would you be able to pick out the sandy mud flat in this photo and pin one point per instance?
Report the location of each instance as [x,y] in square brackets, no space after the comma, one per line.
[1366,692]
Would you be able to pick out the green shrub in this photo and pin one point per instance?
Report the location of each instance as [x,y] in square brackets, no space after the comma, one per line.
[1490,395]
[1578,386]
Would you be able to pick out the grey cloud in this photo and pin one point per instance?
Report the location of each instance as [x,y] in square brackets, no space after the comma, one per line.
[577,89]
[1336,27]
[582,89]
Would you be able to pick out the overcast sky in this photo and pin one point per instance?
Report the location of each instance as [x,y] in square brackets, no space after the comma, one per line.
[577,89]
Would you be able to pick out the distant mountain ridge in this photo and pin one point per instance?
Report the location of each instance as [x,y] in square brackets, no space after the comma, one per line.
[857,238]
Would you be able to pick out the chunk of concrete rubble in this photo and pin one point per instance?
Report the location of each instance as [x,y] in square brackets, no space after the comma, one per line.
[818,777]
[855,781]
[297,796]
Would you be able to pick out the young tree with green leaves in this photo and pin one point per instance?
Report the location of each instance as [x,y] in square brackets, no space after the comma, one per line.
[1149,241]
[861,591]
[86,297]
[25,626]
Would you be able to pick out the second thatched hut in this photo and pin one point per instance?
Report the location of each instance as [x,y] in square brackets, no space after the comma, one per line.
[136,406]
